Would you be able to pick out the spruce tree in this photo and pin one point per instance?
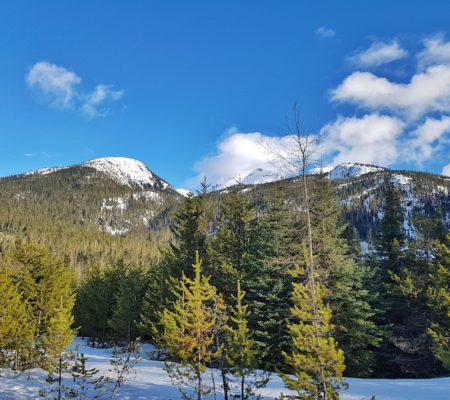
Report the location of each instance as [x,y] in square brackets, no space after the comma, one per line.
[439,302]
[268,284]
[347,279]
[402,275]
[230,253]
[154,301]
[189,234]
[16,328]
[96,301]
[47,289]
[128,303]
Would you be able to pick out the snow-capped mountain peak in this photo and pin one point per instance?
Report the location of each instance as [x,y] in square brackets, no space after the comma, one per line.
[256,177]
[352,170]
[125,171]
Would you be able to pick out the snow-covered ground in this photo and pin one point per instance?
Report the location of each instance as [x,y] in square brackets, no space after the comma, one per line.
[150,382]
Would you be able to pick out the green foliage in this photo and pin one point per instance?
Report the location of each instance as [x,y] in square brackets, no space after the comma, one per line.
[439,302]
[241,352]
[188,329]
[85,378]
[347,280]
[96,301]
[16,328]
[47,290]
[189,235]
[128,303]
[315,364]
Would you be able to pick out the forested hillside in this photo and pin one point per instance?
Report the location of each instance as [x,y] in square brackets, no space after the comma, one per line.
[86,215]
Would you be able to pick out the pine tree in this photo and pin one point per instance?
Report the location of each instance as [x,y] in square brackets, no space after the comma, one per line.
[84,377]
[128,303]
[96,301]
[268,284]
[314,360]
[16,329]
[58,336]
[402,276]
[188,330]
[47,289]
[240,350]
[154,301]
[439,302]
[189,230]
[347,280]
[230,254]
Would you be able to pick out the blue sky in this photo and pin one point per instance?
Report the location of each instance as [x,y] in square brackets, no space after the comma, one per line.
[194,88]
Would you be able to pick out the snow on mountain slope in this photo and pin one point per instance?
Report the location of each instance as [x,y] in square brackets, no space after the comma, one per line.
[125,171]
[321,170]
[352,170]
[184,192]
[45,171]
[259,176]
[256,177]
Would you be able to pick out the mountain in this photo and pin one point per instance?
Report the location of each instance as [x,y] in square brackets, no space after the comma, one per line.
[256,177]
[103,208]
[342,171]
[360,187]
[117,207]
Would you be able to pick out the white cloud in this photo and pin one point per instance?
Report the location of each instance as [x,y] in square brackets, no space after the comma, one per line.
[372,139]
[426,139]
[56,83]
[325,32]
[61,89]
[446,170]
[240,154]
[99,95]
[426,92]
[379,53]
[436,51]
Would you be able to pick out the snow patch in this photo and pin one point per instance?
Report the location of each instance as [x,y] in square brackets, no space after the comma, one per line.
[151,382]
[147,195]
[184,192]
[45,171]
[115,231]
[352,170]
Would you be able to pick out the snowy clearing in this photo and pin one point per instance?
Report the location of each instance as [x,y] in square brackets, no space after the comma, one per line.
[150,382]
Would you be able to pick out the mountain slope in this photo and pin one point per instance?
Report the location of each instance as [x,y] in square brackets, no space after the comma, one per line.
[114,206]
[101,208]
